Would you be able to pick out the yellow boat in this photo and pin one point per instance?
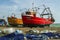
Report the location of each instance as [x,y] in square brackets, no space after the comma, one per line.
[14,21]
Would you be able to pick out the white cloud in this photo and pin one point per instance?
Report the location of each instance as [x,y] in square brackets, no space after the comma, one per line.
[14,6]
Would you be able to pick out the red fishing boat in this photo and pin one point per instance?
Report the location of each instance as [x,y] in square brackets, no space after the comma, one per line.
[31,20]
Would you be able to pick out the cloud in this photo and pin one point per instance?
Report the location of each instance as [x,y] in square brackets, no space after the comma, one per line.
[13,6]
[7,2]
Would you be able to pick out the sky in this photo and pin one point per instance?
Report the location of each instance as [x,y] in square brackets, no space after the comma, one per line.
[7,7]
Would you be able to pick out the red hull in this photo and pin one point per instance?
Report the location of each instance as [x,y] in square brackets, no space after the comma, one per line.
[36,20]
